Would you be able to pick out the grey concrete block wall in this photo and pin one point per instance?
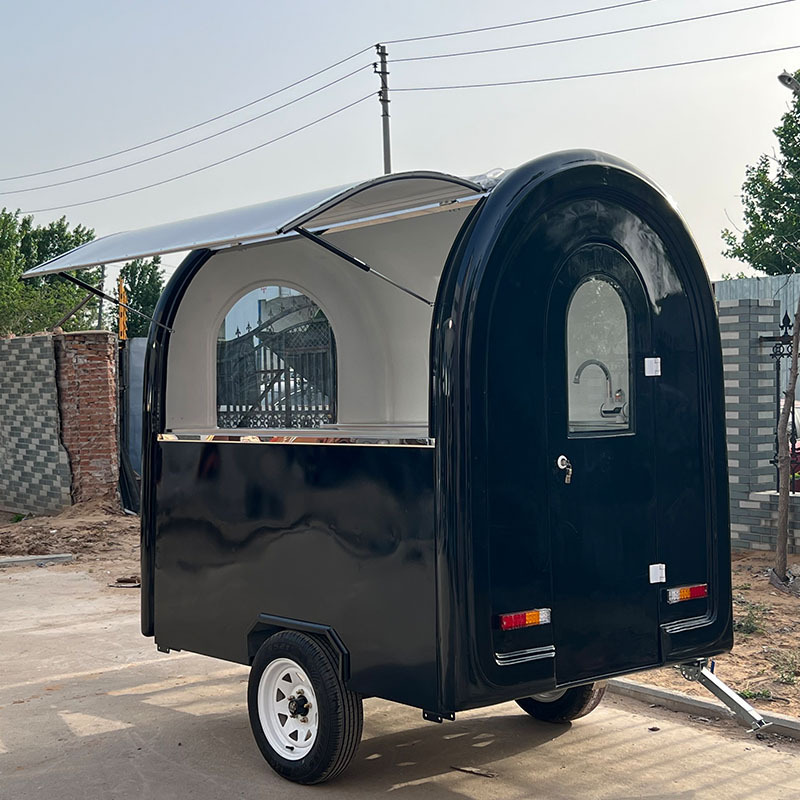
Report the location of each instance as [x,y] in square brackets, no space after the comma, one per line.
[35,474]
[750,417]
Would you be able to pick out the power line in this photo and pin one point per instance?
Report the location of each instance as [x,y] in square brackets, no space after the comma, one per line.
[554,78]
[190,127]
[189,144]
[207,166]
[594,35]
[518,24]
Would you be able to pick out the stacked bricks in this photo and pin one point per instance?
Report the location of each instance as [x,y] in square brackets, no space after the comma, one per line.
[87,390]
[750,417]
[34,468]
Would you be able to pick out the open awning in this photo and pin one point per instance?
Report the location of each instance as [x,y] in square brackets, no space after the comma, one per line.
[388,194]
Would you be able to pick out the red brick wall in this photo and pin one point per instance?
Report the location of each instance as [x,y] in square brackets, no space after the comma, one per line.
[86,373]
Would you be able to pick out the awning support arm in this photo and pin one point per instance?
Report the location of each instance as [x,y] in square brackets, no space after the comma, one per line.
[74,310]
[356,262]
[98,293]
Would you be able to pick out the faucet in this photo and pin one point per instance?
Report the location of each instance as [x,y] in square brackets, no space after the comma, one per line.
[590,362]
[614,405]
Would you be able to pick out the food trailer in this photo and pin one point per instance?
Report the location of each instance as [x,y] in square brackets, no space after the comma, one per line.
[466,446]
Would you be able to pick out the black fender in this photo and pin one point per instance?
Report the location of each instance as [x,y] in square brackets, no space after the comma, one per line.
[268,624]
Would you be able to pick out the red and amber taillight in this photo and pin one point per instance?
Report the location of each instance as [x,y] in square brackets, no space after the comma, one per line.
[681,593]
[524,619]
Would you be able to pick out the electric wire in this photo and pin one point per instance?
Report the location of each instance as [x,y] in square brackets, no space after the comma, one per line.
[188,144]
[599,35]
[518,24]
[554,78]
[191,127]
[207,166]
[338,63]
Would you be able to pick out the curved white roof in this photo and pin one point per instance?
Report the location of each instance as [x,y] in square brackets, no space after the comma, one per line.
[388,194]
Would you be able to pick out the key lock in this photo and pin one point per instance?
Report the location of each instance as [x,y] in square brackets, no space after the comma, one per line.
[563,463]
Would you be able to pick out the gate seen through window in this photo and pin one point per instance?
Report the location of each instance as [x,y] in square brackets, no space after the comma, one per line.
[276,362]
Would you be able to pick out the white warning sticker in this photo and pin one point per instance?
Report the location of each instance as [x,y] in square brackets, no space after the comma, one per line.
[652,367]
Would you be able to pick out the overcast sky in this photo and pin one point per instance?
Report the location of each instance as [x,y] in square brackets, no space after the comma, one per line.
[90,77]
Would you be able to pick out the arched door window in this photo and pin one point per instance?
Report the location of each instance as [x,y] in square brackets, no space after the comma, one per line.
[598,358]
[276,362]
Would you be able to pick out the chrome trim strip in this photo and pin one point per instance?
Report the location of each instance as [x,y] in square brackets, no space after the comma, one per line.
[521,656]
[688,624]
[300,438]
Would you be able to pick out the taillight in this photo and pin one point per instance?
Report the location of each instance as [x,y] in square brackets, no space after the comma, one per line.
[524,619]
[681,593]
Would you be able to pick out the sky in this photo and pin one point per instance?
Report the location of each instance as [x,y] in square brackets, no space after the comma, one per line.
[91,77]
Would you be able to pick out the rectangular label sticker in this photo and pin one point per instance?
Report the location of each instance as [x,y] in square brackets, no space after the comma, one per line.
[652,367]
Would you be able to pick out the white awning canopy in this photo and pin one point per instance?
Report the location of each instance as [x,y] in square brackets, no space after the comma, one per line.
[388,194]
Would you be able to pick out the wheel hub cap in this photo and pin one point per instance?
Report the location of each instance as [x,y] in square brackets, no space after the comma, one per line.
[287,709]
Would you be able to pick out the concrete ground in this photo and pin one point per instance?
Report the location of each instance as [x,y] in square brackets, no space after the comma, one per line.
[89,709]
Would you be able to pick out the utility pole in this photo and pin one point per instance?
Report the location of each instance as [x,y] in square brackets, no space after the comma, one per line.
[383,99]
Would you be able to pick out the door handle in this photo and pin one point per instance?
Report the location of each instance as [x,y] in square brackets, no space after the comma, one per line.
[563,463]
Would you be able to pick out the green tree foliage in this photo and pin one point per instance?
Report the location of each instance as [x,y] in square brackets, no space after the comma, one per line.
[37,304]
[144,282]
[770,239]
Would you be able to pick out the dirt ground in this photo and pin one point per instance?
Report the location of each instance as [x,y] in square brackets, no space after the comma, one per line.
[94,532]
[764,665]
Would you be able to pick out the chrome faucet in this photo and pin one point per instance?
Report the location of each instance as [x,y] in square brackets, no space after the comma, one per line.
[614,405]
[594,362]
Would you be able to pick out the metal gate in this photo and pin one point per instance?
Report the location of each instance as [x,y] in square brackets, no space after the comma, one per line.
[782,349]
[285,378]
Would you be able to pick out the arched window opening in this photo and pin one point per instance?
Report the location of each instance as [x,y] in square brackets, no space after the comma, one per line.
[276,362]
[598,357]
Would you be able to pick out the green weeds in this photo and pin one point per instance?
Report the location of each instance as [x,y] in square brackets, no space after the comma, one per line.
[752,619]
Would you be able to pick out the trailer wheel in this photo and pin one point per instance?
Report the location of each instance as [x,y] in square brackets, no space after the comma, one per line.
[306,723]
[563,705]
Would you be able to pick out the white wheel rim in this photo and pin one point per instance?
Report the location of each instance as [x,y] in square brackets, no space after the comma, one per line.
[549,697]
[282,682]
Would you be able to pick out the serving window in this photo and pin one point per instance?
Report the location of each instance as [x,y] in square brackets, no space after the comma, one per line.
[276,362]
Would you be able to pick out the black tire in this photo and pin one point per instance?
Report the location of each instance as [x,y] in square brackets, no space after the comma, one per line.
[340,714]
[574,703]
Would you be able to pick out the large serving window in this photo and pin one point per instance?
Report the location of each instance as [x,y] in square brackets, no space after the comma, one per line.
[376,377]
[311,312]
[276,362]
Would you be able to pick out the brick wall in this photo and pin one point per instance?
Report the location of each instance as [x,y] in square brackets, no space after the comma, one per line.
[58,420]
[750,412]
[87,389]
[34,467]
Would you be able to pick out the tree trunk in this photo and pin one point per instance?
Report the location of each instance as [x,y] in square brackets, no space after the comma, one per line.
[785,459]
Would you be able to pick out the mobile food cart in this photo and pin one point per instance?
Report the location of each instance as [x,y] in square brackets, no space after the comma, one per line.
[466,446]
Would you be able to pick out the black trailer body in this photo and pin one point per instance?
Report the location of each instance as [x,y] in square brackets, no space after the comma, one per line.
[521,484]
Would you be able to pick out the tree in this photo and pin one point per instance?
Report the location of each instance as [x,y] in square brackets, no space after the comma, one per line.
[144,282]
[770,242]
[38,303]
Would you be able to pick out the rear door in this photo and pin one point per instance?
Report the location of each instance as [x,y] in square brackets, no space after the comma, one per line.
[602,466]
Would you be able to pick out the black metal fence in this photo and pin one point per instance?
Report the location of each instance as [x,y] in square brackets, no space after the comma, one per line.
[278,379]
[782,349]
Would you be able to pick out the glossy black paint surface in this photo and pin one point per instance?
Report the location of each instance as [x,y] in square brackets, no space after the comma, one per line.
[500,503]
[339,535]
[153,416]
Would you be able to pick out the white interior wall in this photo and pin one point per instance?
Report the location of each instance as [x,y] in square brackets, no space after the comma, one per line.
[382,334]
